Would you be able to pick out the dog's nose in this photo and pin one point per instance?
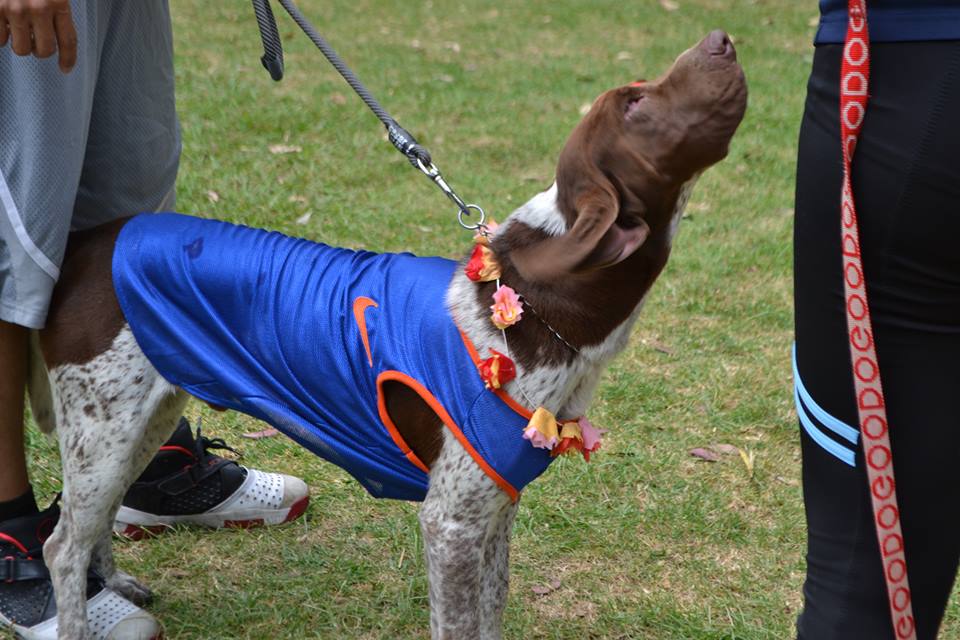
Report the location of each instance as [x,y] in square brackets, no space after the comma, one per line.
[718,43]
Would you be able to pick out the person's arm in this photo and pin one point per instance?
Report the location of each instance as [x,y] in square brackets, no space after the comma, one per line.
[39,27]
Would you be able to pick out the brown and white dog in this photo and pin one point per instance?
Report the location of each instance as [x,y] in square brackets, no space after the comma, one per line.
[584,253]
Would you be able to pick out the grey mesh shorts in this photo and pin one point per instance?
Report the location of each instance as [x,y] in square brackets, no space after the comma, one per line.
[80,149]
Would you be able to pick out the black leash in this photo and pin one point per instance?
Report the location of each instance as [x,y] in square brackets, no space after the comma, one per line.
[404,142]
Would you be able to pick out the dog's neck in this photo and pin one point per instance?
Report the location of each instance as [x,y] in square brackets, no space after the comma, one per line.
[550,373]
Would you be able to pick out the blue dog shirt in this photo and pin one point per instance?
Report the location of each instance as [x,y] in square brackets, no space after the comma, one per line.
[303,336]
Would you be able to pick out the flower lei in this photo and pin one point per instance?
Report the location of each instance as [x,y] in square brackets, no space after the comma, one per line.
[544,431]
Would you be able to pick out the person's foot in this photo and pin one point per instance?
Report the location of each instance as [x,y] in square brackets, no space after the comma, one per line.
[27,604]
[186,484]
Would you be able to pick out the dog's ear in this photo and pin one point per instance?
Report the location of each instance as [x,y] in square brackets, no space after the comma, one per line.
[594,241]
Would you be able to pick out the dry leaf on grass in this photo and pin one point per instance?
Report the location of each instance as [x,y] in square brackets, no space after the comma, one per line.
[713,452]
[748,460]
[725,449]
[704,454]
[305,218]
[259,435]
[662,348]
[669,5]
[544,589]
[284,148]
[213,196]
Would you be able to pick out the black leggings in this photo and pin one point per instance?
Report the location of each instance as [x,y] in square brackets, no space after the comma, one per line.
[906,180]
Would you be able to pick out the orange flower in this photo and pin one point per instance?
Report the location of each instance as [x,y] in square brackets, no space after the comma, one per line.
[506,307]
[497,370]
[578,435]
[571,439]
[483,265]
[541,431]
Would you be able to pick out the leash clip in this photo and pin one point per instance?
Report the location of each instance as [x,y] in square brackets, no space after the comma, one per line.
[465,211]
[401,139]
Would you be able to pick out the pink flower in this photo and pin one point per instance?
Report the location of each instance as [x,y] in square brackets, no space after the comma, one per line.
[591,437]
[506,307]
[539,440]
[542,430]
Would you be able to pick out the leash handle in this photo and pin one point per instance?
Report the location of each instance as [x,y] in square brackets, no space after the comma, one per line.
[272,58]
[400,138]
[871,406]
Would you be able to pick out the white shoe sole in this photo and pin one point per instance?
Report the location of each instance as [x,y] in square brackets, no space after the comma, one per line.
[262,499]
[110,616]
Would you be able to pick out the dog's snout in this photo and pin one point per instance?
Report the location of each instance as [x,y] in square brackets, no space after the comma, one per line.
[718,43]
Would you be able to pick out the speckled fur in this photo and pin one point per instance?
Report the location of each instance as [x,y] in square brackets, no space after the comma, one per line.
[564,390]
[111,414]
[466,519]
[114,411]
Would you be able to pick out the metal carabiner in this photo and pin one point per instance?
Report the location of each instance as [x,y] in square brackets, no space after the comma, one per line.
[431,171]
[464,209]
[466,212]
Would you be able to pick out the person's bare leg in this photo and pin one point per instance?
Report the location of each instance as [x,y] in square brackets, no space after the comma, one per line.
[13,376]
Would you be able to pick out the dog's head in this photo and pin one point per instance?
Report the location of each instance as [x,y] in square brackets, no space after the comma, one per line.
[621,173]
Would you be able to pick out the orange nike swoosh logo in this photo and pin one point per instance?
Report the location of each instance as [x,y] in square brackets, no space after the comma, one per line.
[359,308]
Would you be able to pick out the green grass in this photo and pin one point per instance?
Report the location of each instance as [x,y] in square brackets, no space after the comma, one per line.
[646,542]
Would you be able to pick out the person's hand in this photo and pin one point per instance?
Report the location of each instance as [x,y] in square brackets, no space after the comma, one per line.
[41,28]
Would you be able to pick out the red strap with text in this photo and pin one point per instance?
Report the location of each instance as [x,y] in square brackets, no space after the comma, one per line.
[874,433]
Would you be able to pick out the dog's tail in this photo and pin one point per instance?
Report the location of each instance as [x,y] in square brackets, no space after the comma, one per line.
[38,387]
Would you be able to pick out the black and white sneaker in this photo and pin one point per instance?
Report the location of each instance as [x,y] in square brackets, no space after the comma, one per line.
[27,604]
[186,484]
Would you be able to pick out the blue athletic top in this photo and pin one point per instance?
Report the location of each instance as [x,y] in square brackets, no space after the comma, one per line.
[893,20]
[303,336]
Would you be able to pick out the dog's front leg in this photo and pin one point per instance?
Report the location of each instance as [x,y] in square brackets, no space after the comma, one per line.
[112,415]
[495,578]
[455,519]
[67,559]
[123,583]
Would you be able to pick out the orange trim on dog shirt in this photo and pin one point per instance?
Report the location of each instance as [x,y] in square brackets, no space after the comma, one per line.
[441,413]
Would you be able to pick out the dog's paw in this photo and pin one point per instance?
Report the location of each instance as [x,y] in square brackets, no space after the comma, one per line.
[130,588]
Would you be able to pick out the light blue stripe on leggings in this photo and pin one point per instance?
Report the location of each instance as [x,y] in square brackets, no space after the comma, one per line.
[806,403]
[842,429]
